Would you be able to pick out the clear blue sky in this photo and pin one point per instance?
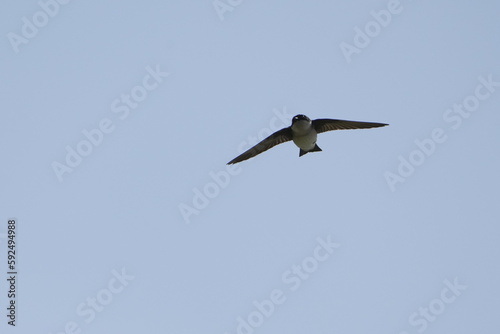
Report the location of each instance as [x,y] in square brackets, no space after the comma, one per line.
[118,119]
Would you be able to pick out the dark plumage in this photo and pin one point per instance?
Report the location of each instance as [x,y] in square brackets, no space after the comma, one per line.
[303,132]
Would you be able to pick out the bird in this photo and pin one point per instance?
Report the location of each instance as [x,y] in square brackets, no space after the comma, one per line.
[304,133]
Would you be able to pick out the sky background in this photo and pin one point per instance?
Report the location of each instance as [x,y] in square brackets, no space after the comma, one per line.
[191,263]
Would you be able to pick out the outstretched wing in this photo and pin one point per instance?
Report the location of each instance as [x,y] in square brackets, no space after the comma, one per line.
[326,124]
[276,138]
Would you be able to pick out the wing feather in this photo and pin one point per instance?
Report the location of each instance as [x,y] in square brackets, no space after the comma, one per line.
[276,138]
[326,124]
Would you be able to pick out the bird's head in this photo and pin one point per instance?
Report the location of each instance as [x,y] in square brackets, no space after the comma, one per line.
[300,118]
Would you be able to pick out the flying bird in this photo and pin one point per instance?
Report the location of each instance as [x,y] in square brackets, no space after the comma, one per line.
[304,133]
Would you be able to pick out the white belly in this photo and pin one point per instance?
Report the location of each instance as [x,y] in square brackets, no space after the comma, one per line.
[306,141]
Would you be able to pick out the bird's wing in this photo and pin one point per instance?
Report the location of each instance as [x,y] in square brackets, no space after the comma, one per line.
[326,124]
[276,138]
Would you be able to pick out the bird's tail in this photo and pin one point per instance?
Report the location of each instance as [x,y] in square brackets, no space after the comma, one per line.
[315,149]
